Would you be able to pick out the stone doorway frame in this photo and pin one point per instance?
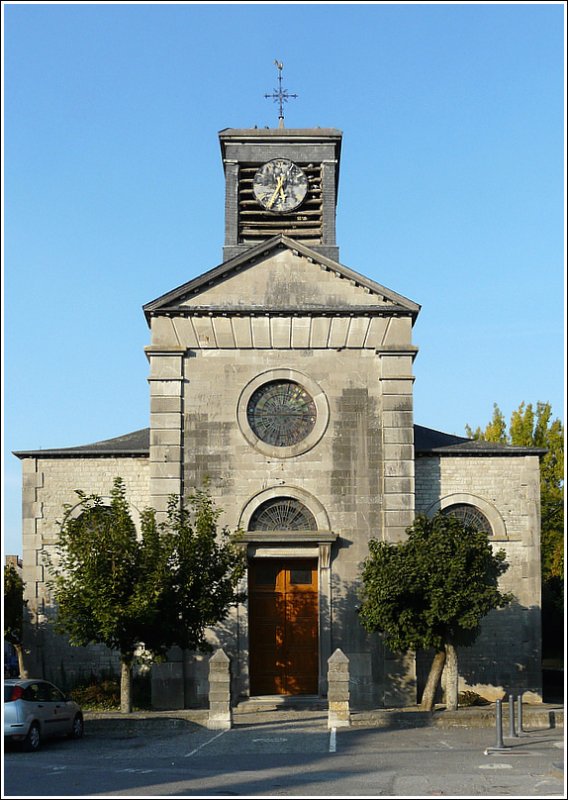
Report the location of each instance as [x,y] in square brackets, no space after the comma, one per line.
[289,545]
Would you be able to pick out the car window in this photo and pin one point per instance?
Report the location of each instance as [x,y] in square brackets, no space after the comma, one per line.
[54,694]
[31,692]
[48,693]
[43,692]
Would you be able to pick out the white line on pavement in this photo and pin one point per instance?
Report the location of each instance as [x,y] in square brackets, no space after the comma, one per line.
[333,740]
[197,749]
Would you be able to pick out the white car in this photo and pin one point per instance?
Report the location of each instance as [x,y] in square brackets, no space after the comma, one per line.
[35,710]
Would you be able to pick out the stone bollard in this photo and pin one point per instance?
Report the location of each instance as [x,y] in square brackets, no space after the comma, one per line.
[338,690]
[220,714]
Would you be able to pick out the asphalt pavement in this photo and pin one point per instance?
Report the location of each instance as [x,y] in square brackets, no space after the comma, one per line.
[292,753]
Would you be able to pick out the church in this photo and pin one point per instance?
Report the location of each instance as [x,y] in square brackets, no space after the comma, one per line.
[285,379]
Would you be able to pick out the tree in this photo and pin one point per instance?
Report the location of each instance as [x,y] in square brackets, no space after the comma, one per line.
[14,605]
[200,572]
[156,591]
[103,591]
[432,591]
[530,428]
[495,431]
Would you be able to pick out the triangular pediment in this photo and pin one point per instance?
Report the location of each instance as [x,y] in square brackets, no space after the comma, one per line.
[280,275]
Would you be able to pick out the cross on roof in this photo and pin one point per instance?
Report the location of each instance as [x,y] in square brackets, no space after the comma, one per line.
[280,95]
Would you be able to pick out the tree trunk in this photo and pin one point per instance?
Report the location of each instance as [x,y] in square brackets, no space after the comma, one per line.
[126,684]
[427,703]
[451,678]
[21,668]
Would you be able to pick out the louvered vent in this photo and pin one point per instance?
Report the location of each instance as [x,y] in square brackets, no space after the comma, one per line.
[303,224]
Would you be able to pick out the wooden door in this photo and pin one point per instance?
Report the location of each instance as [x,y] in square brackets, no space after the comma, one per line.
[283,626]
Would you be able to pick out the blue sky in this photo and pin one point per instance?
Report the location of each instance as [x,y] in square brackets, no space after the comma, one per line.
[451,191]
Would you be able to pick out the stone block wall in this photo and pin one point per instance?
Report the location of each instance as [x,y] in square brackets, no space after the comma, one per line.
[343,473]
[49,484]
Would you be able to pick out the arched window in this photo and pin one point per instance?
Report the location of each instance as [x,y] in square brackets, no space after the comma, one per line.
[471,516]
[92,521]
[282,514]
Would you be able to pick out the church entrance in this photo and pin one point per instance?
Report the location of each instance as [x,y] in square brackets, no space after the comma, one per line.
[283,626]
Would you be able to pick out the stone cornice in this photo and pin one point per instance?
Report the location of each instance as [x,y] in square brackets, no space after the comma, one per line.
[257,311]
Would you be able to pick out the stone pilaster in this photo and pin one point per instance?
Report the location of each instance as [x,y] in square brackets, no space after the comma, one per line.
[166,425]
[324,584]
[398,443]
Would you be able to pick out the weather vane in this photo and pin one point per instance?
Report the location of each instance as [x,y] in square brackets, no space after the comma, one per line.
[280,95]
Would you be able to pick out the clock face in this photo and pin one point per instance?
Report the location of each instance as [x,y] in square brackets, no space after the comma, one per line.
[280,185]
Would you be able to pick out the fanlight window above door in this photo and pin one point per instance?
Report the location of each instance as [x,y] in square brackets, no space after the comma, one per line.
[282,514]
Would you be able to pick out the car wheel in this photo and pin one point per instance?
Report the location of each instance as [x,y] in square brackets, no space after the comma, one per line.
[33,739]
[77,728]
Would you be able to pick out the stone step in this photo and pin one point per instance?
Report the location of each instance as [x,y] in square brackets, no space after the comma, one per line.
[261,703]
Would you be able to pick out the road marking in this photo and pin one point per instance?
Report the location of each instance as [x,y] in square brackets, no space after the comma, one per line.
[495,766]
[449,746]
[268,739]
[333,740]
[511,751]
[197,749]
[135,769]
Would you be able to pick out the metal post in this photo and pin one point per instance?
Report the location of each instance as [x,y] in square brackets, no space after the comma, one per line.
[499,724]
[512,732]
[520,713]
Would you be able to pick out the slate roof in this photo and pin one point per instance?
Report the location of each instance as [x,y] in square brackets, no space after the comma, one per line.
[426,442]
[136,443]
[431,442]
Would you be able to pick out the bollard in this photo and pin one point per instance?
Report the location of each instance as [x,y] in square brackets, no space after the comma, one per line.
[338,715]
[520,713]
[499,724]
[512,732]
[498,729]
[220,714]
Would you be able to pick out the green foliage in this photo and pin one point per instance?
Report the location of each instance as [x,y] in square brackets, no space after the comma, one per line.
[98,696]
[199,573]
[496,430]
[433,588]
[14,604]
[104,694]
[100,574]
[161,590]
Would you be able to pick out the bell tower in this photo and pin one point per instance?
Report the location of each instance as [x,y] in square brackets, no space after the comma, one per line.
[280,180]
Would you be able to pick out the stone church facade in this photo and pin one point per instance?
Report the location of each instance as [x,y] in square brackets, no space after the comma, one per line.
[285,379]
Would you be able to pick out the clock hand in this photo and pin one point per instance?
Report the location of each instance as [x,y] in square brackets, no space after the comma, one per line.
[285,178]
[275,195]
